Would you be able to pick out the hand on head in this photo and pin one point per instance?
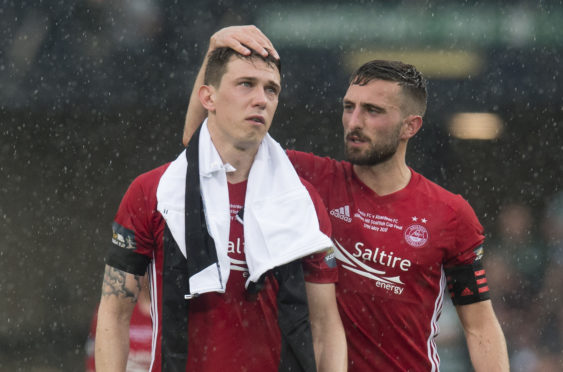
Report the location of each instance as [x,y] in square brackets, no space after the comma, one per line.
[243,39]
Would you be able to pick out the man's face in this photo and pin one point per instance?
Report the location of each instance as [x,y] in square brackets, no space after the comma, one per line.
[372,120]
[246,100]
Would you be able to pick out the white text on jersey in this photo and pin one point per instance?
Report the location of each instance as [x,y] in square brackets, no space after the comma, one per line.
[382,258]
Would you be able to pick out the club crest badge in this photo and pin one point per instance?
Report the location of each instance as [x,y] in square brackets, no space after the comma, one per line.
[416,235]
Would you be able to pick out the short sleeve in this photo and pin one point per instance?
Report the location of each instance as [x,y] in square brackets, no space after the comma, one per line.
[133,241]
[469,238]
[320,267]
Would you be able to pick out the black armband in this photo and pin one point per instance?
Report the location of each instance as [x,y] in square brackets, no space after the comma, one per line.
[467,284]
[129,261]
[122,253]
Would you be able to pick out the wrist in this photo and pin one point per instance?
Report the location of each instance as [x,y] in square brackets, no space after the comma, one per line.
[212,44]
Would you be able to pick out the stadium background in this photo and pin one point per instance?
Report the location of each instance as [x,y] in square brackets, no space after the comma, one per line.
[94,92]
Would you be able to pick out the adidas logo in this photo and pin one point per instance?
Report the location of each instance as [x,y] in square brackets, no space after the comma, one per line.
[343,213]
[466,292]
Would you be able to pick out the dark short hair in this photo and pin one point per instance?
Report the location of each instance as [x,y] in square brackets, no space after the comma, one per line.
[219,58]
[411,81]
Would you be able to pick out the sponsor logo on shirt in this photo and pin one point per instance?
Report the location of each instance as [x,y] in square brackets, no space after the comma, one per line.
[355,262]
[237,249]
[342,213]
[239,265]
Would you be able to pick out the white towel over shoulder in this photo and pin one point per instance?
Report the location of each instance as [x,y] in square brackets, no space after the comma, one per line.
[280,221]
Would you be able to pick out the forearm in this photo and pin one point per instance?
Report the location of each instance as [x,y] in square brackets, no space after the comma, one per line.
[329,340]
[484,336]
[488,349]
[196,112]
[330,347]
[120,291]
[112,341]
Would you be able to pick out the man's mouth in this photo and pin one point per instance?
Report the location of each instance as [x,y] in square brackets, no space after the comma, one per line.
[257,119]
[356,138]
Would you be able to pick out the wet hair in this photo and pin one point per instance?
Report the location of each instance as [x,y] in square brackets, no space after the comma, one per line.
[220,57]
[411,81]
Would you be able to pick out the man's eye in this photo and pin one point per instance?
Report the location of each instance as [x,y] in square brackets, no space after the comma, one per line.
[271,90]
[373,110]
[245,83]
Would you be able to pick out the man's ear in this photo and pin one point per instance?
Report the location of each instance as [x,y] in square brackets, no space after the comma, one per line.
[412,125]
[207,97]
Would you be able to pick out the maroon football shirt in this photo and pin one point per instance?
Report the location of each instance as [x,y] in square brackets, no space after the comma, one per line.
[230,331]
[391,253]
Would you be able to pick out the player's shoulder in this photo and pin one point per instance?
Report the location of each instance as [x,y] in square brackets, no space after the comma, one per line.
[439,194]
[313,193]
[455,206]
[146,183]
[310,160]
[310,188]
[151,177]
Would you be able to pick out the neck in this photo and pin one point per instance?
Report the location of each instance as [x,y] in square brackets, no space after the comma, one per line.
[240,159]
[385,178]
[238,154]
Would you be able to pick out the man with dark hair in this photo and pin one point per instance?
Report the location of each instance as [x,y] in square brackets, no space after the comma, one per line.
[400,238]
[410,87]
[217,64]
[409,79]
[236,246]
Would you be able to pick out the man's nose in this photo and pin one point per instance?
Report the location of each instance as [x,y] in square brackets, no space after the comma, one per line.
[259,98]
[354,119]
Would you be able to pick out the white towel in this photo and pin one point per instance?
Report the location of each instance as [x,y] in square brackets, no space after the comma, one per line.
[280,221]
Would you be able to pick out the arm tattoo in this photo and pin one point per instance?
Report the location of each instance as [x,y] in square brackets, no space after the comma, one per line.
[115,284]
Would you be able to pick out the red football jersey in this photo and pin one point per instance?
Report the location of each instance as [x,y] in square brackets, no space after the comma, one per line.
[391,252]
[229,331]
